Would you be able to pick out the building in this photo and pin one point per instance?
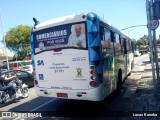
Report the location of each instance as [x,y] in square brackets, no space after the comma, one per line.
[2,51]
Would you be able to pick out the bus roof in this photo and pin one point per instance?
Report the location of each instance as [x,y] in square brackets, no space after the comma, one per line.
[66,20]
[58,21]
[72,19]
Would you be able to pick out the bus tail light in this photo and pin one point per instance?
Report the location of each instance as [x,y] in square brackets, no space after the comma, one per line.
[34,71]
[35,78]
[93,76]
[93,83]
[36,83]
[93,72]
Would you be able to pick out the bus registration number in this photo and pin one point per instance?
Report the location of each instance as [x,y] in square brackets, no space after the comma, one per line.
[62,95]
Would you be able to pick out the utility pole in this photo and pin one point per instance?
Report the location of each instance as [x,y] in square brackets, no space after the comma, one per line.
[150,42]
[4,41]
[154,41]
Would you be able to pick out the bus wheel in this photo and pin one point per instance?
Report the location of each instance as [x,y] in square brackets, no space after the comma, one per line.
[129,74]
[119,84]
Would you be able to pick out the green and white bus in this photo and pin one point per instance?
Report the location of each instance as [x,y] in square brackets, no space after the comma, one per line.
[80,57]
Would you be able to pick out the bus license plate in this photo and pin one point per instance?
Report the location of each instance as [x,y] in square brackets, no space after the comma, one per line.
[62,95]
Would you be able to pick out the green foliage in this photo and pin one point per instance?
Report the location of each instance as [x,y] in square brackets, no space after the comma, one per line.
[22,54]
[4,58]
[16,36]
[158,40]
[143,41]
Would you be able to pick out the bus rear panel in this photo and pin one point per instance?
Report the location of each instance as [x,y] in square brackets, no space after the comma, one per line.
[63,69]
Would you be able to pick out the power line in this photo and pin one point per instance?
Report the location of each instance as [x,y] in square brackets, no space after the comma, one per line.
[133,26]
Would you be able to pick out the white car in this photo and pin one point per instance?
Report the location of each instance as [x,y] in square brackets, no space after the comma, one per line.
[137,53]
[28,68]
[2,70]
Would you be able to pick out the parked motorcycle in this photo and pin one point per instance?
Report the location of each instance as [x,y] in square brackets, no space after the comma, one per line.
[21,88]
[7,94]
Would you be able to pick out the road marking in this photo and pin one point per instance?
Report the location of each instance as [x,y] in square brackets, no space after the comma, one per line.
[42,105]
[37,107]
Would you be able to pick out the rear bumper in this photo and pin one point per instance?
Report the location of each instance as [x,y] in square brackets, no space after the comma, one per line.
[95,94]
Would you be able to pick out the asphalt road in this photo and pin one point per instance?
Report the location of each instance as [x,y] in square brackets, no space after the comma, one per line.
[71,109]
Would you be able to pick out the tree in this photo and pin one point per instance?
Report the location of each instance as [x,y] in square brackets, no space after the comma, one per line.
[4,57]
[158,41]
[143,41]
[18,36]
[20,55]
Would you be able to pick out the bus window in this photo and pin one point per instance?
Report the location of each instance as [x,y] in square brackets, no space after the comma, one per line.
[111,46]
[107,44]
[117,44]
[102,37]
[121,41]
[127,45]
[133,47]
[124,46]
[112,37]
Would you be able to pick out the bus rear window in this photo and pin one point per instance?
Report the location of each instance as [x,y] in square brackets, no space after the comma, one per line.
[64,36]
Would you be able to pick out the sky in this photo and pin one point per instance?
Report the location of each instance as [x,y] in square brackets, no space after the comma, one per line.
[119,13]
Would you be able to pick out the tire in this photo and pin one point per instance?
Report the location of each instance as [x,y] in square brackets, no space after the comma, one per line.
[119,84]
[25,92]
[4,99]
[129,74]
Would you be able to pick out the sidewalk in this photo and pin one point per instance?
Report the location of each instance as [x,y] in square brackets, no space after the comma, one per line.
[146,99]
[141,91]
